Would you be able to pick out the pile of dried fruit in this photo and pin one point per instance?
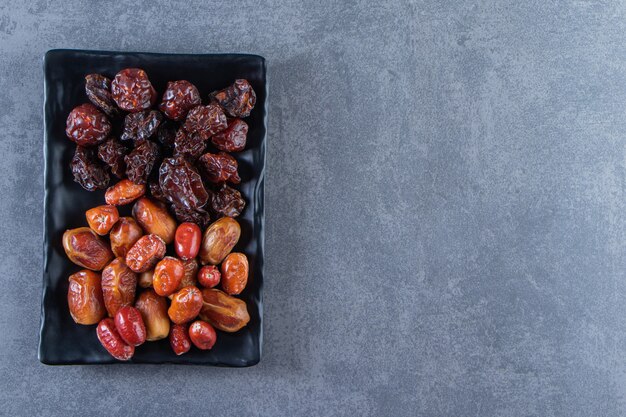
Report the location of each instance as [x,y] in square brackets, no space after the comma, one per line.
[165,165]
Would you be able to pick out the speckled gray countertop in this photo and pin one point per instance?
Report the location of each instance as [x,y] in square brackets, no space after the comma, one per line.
[445,208]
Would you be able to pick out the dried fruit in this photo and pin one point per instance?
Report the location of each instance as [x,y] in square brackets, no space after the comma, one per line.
[218,240]
[87,126]
[118,286]
[233,139]
[145,279]
[209,276]
[112,153]
[179,97]
[202,335]
[141,160]
[102,218]
[179,339]
[153,216]
[187,240]
[227,202]
[112,341]
[124,235]
[84,297]
[141,125]
[167,134]
[234,273]
[153,309]
[145,253]
[237,100]
[132,91]
[98,90]
[219,168]
[189,277]
[85,248]
[167,275]
[200,217]
[124,192]
[206,120]
[129,324]
[90,173]
[186,305]
[226,313]
[181,184]
[189,145]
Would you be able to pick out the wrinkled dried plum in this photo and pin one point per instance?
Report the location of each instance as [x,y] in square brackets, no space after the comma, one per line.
[132,91]
[190,145]
[237,100]
[166,134]
[206,120]
[141,126]
[181,184]
[227,202]
[218,168]
[179,97]
[233,139]
[200,217]
[155,189]
[88,171]
[112,153]
[140,161]
[87,126]
[98,90]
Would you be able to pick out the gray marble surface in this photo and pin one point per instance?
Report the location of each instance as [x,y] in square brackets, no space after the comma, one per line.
[445,208]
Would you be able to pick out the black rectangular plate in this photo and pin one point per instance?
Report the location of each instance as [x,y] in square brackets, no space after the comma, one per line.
[61,340]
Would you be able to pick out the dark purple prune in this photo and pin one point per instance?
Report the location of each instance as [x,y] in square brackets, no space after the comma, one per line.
[206,120]
[190,145]
[112,153]
[166,134]
[181,184]
[155,189]
[98,90]
[88,171]
[140,161]
[199,217]
[237,100]
[179,97]
[218,168]
[87,126]
[233,139]
[141,126]
[132,91]
[227,202]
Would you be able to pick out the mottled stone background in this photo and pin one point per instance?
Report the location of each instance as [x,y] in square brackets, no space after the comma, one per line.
[445,208]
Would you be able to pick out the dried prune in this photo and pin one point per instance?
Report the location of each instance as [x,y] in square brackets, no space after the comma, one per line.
[88,171]
[87,126]
[218,168]
[237,100]
[188,144]
[233,139]
[112,153]
[206,120]
[181,184]
[141,125]
[178,99]
[132,91]
[98,90]
[155,189]
[227,202]
[200,217]
[166,134]
[140,161]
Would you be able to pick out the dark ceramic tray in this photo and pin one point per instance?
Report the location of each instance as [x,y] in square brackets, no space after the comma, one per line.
[61,340]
